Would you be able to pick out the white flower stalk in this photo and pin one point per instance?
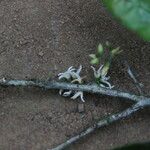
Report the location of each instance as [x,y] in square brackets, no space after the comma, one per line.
[72,75]
[101,77]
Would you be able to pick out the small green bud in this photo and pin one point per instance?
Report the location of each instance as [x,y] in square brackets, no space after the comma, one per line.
[116,51]
[100,49]
[93,56]
[94,61]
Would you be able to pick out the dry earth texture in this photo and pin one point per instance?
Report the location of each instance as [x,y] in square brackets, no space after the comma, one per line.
[40,38]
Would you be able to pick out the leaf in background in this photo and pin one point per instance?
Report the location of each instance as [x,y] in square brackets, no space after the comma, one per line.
[138,146]
[135,14]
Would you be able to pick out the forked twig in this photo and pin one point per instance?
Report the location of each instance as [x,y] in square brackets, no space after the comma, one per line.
[104,122]
[140,102]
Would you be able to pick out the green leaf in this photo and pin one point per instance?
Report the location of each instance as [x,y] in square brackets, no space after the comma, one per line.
[105,68]
[100,50]
[115,51]
[94,61]
[135,14]
[93,56]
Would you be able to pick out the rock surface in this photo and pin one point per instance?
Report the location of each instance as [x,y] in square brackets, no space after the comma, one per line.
[64,33]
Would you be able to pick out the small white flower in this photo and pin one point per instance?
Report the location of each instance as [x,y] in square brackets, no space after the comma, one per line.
[72,75]
[78,94]
[67,74]
[102,77]
[97,74]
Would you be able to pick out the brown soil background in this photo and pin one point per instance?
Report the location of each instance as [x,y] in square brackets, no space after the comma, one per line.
[42,37]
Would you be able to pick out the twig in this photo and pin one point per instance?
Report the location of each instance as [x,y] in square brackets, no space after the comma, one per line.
[90,88]
[140,101]
[132,76]
[104,122]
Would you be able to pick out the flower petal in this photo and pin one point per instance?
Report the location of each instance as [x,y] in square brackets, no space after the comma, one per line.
[60,92]
[79,69]
[66,94]
[78,94]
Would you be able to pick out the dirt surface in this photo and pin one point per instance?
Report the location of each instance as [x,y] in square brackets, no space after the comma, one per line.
[40,38]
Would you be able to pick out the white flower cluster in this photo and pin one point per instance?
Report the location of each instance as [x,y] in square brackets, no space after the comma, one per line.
[72,75]
[101,76]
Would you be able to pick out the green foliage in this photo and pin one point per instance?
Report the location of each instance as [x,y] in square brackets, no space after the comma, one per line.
[100,74]
[142,146]
[95,58]
[134,14]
